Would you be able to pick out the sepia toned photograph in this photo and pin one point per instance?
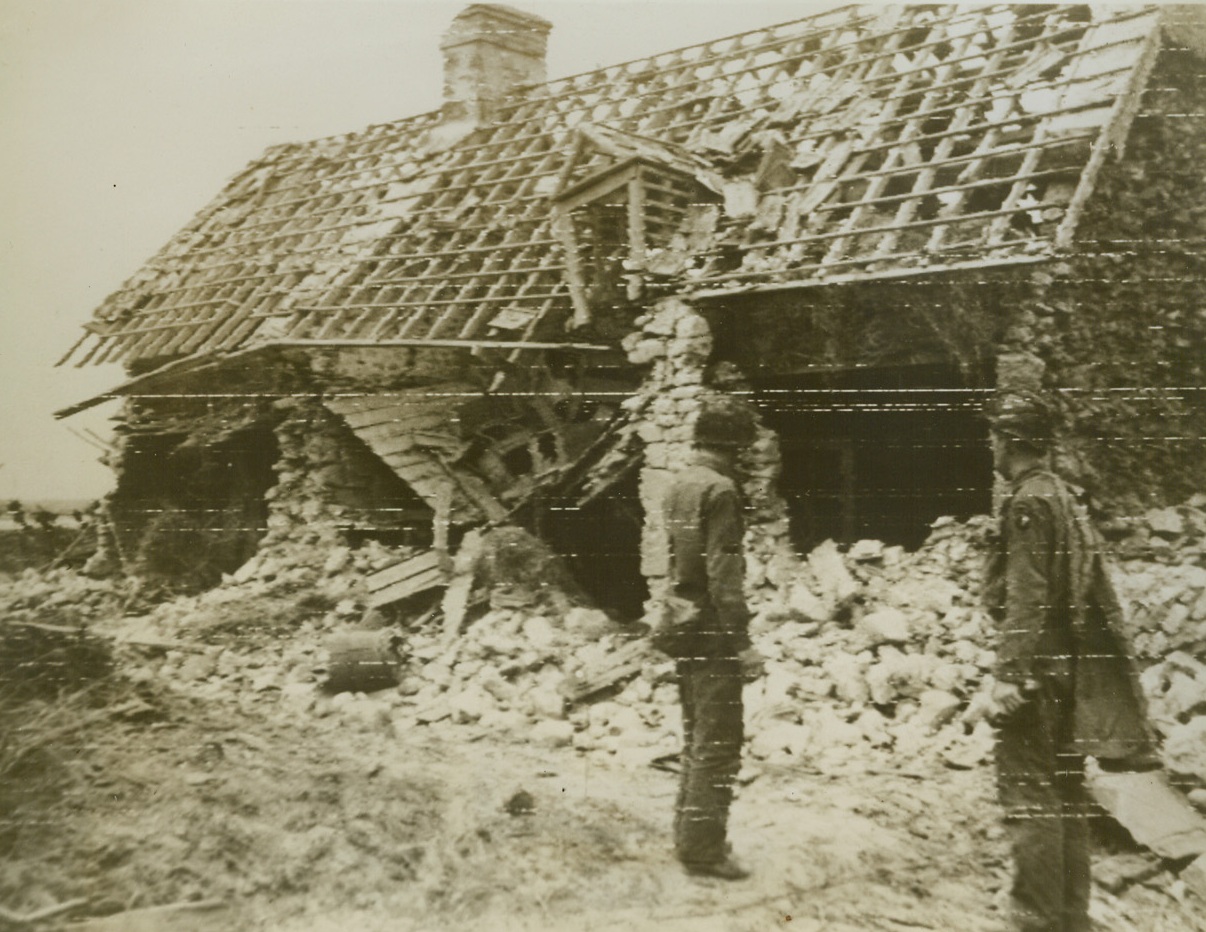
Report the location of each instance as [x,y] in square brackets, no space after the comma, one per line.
[589,466]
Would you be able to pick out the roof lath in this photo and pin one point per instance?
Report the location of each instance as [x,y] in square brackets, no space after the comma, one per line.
[864,141]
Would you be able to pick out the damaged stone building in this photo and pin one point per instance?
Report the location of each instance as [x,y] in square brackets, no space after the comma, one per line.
[507,310]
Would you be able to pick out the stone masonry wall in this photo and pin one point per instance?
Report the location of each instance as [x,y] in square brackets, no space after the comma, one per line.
[322,475]
[1119,330]
[676,342]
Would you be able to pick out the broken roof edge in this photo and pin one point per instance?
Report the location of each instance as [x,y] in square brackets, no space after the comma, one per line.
[175,368]
[275,157]
[858,278]
[192,364]
[1112,139]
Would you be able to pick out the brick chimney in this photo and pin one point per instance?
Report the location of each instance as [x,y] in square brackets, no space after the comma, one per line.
[489,50]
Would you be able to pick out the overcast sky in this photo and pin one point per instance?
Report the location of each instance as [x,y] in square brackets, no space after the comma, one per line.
[119,119]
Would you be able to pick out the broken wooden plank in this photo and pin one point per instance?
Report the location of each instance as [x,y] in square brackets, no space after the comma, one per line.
[624,662]
[1156,815]
[200,916]
[402,571]
[20,920]
[402,580]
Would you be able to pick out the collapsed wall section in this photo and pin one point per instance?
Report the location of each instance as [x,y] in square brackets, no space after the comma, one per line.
[189,503]
[331,490]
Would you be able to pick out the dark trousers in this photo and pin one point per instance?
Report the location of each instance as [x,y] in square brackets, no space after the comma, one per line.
[1041,786]
[713,730]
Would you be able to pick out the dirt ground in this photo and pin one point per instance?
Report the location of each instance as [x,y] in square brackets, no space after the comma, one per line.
[267,809]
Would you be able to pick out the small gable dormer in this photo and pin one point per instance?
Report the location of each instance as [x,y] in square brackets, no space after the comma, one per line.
[618,197]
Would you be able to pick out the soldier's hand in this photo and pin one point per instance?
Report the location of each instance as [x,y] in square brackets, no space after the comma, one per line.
[753,665]
[1007,698]
[994,702]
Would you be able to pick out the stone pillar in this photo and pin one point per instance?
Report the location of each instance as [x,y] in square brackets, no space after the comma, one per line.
[303,521]
[676,342]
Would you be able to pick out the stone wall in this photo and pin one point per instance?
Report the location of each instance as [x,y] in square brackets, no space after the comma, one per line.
[1119,329]
[675,341]
[328,483]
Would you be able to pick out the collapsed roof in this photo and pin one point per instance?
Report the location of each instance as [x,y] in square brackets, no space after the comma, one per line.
[861,142]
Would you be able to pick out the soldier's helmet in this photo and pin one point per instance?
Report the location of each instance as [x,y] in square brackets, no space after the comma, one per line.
[725,423]
[1022,415]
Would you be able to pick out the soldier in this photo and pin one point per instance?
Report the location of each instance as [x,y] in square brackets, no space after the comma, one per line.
[703,515]
[1065,687]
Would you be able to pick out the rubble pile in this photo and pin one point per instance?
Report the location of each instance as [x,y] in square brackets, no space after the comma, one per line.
[871,655]
[1162,585]
[49,595]
[873,652]
[46,647]
[508,672]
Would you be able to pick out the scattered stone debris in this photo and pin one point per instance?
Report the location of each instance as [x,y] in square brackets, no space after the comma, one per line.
[873,654]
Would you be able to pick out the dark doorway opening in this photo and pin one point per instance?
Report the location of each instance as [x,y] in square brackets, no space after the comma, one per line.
[601,542]
[186,512]
[878,453]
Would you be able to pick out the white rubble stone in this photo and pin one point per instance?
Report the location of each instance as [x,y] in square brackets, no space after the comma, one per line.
[470,704]
[848,676]
[338,560]
[874,727]
[588,622]
[898,675]
[928,593]
[948,677]
[1167,522]
[639,690]
[811,684]
[967,751]
[865,551]
[646,351]
[553,734]
[665,694]
[543,702]
[803,603]
[692,325]
[936,708]
[829,568]
[788,737]
[1185,749]
[503,720]
[829,730]
[490,680]
[884,626]
[540,632]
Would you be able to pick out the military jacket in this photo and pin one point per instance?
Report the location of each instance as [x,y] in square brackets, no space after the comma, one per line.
[1058,616]
[705,530]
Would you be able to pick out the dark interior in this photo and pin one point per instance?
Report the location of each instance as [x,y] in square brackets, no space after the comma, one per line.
[185,513]
[878,453]
[601,542]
